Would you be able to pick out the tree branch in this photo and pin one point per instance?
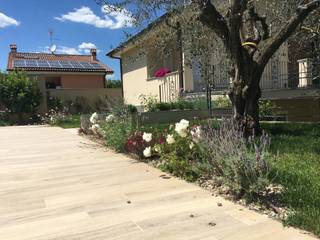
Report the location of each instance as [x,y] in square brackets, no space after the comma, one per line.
[214,20]
[286,31]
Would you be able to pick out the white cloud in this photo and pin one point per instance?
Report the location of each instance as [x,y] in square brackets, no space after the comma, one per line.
[110,77]
[87,45]
[67,50]
[112,19]
[6,21]
[83,48]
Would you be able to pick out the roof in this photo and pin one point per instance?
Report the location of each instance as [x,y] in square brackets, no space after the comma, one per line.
[49,62]
[140,34]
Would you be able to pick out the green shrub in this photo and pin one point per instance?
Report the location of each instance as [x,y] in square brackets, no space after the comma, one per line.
[132,108]
[149,102]
[54,103]
[116,134]
[180,166]
[222,102]
[179,152]
[183,105]
[113,84]
[163,106]
[266,108]
[19,94]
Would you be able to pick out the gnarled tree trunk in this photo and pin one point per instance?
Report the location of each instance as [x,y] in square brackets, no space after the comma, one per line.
[244,94]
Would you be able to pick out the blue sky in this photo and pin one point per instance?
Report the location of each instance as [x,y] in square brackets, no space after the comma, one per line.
[77,26]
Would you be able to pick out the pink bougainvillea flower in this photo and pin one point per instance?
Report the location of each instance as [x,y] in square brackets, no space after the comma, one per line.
[162,72]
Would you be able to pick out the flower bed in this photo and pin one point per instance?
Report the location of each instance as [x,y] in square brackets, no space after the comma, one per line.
[280,181]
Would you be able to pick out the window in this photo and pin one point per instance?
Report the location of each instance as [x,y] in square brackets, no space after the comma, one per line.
[53,82]
[166,58]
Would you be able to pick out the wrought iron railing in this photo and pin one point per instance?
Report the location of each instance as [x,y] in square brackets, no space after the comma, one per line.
[276,76]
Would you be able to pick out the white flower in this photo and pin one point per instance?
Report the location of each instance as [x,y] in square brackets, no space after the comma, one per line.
[191,146]
[95,128]
[170,139]
[196,134]
[181,128]
[110,118]
[147,152]
[157,148]
[147,137]
[94,118]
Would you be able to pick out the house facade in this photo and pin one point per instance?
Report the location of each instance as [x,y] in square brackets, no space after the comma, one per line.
[64,76]
[288,77]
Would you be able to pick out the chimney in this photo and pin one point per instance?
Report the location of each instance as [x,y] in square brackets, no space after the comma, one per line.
[93,52]
[13,48]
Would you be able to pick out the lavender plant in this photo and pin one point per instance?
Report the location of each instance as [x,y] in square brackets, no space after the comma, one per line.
[241,162]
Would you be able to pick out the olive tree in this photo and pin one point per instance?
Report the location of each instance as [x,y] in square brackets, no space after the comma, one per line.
[243,32]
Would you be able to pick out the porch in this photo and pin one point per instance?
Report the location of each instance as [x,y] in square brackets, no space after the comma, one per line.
[277,81]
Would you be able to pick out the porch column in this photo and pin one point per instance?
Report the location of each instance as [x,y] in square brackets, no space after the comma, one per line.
[305,72]
[187,76]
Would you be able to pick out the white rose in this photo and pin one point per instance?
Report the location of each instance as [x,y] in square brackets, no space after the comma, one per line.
[191,146]
[170,139]
[181,128]
[94,118]
[184,123]
[110,118]
[147,137]
[147,152]
[95,128]
[196,134]
[157,149]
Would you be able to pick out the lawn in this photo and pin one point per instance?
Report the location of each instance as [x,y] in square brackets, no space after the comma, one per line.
[296,159]
[72,121]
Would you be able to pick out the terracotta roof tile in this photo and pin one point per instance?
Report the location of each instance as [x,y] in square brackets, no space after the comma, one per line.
[56,57]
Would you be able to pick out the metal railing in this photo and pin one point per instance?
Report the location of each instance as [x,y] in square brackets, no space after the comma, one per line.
[169,89]
[276,76]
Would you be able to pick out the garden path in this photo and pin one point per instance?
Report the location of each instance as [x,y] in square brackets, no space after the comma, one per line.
[56,185]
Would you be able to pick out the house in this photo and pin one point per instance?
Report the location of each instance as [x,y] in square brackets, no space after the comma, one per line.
[289,79]
[64,76]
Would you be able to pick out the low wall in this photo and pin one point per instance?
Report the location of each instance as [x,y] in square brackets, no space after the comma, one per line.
[175,116]
[300,109]
[90,94]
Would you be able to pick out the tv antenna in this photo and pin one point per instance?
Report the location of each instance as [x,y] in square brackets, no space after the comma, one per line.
[52,47]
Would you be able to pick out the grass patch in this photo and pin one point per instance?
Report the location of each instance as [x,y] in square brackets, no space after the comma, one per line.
[72,121]
[296,159]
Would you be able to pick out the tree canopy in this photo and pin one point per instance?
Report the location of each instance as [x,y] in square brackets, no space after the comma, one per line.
[251,31]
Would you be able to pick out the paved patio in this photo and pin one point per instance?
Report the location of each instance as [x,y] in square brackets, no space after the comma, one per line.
[55,185]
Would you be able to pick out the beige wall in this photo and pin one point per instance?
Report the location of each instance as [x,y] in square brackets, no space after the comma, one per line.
[135,82]
[82,81]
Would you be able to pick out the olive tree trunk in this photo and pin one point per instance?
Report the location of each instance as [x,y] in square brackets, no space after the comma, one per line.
[244,94]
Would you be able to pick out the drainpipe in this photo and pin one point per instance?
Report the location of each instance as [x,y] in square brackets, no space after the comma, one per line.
[121,74]
[181,75]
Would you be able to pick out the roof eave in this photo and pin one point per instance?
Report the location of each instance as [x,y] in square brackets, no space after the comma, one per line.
[116,53]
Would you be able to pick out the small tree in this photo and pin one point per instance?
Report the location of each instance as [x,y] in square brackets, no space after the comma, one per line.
[19,94]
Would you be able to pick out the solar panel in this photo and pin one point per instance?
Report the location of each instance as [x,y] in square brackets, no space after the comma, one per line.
[19,63]
[43,64]
[54,64]
[66,64]
[31,63]
[96,65]
[76,65]
[86,65]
